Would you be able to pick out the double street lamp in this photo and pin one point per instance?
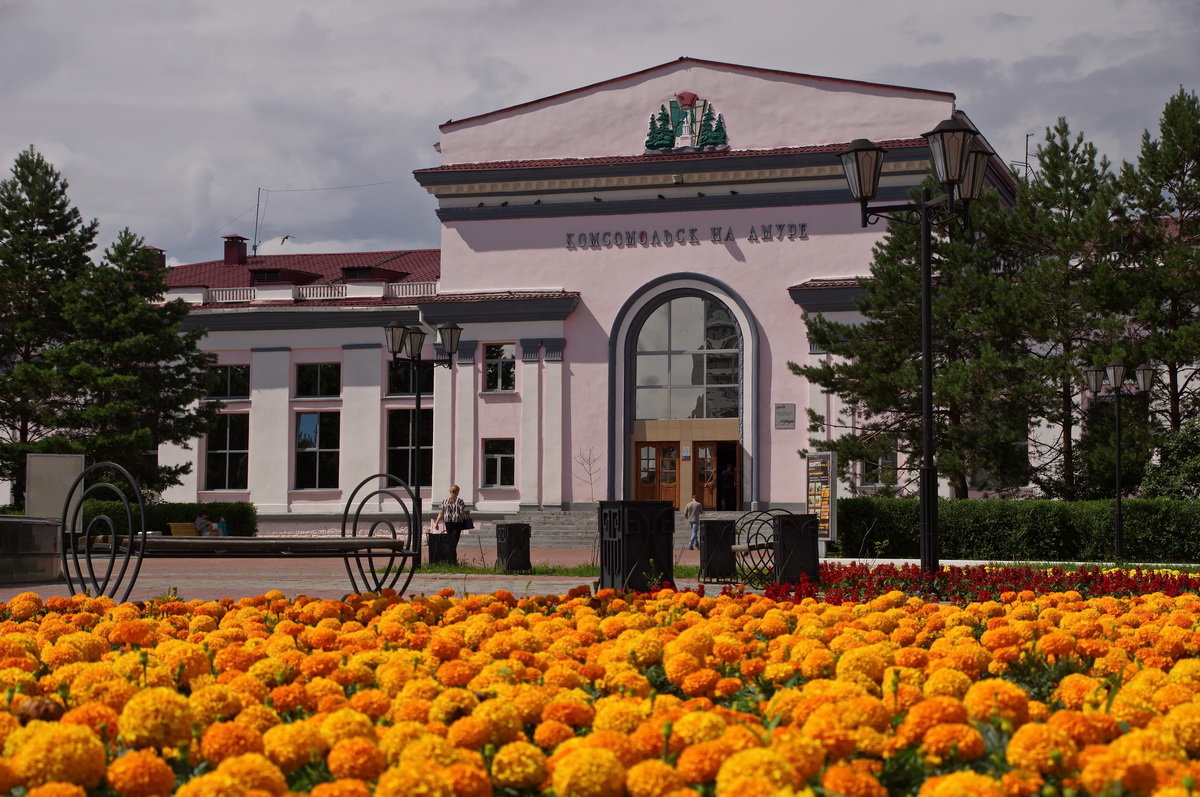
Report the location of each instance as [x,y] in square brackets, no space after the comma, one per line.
[1116,373]
[960,162]
[405,344]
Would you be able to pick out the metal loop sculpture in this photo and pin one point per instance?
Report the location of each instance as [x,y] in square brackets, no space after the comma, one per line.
[374,576]
[755,547]
[87,541]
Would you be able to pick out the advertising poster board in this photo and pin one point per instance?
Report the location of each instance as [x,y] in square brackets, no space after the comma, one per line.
[822,492]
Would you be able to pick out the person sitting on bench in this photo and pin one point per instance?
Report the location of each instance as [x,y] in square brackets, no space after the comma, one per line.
[205,527]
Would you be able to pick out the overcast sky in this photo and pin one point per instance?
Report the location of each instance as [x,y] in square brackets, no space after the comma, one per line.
[167,116]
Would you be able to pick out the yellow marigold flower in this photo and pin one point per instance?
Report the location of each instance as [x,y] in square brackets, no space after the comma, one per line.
[156,717]
[24,606]
[293,745]
[1040,748]
[140,773]
[452,704]
[346,723]
[393,740]
[962,784]
[589,772]
[60,752]
[851,781]
[356,757]
[761,762]
[952,740]
[994,698]
[698,726]
[503,720]
[411,781]
[1103,771]
[519,765]
[805,754]
[429,750]
[345,787]
[258,717]
[653,778]
[223,740]
[57,789]
[1077,691]
[212,703]
[254,771]
[622,716]
[211,784]
[947,682]
[184,660]
[1184,722]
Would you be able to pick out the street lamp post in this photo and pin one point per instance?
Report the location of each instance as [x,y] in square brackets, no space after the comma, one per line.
[1115,371]
[960,162]
[404,344]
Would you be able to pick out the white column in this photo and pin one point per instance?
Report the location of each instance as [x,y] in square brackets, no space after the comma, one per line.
[530,452]
[443,425]
[466,444]
[553,489]
[270,428]
[361,452]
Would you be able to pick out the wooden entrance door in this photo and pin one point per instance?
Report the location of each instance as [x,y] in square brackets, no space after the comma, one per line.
[704,474]
[658,472]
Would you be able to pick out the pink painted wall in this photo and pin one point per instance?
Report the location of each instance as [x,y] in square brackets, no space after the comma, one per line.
[761,111]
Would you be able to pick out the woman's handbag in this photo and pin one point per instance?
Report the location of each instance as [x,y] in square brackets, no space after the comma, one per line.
[467,523]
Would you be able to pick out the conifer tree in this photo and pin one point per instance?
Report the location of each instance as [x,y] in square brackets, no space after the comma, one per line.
[707,124]
[1162,204]
[132,378]
[719,138]
[652,135]
[44,249]
[665,138]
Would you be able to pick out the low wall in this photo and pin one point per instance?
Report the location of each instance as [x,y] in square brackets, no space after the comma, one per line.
[30,549]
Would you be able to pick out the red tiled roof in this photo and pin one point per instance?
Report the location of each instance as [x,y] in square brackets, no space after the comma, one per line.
[421,265]
[701,62]
[822,283]
[609,160]
[408,301]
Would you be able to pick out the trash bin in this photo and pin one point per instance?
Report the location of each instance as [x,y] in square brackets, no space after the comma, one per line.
[442,548]
[796,549]
[716,550]
[512,547]
[636,544]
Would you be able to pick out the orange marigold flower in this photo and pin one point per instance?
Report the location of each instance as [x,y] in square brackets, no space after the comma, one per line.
[519,765]
[140,773]
[652,778]
[952,740]
[57,789]
[58,752]
[569,710]
[700,762]
[466,780]
[211,784]
[156,717]
[97,716]
[8,776]
[589,772]
[851,781]
[254,771]
[994,698]
[223,740]
[962,784]
[356,757]
[411,781]
[375,703]
[551,733]
[345,787]
[925,715]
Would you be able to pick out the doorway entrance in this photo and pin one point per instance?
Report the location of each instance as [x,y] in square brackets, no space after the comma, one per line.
[704,475]
[658,472]
[729,479]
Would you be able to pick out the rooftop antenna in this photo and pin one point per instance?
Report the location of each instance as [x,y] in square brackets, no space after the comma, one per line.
[1025,163]
[258,202]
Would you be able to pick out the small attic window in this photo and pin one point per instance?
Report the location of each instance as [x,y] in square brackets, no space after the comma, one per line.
[357,273]
[266,275]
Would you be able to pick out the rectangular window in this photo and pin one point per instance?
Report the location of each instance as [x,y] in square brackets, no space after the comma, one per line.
[318,379]
[400,444]
[318,435]
[227,462]
[500,367]
[882,470]
[499,463]
[404,377]
[229,381]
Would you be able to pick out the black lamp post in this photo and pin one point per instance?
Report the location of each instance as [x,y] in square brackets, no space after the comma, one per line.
[404,344]
[960,162]
[1115,371]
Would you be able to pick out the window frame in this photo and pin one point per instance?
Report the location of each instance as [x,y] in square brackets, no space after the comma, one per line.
[498,460]
[426,448]
[424,377]
[321,378]
[318,449]
[227,453]
[505,366]
[227,380]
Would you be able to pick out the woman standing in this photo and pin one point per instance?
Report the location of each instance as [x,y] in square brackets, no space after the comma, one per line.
[454,514]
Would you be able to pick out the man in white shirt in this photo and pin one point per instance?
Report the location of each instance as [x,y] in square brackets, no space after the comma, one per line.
[692,513]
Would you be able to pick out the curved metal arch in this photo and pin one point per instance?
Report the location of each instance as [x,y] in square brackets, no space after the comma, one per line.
[371,578]
[87,538]
[756,532]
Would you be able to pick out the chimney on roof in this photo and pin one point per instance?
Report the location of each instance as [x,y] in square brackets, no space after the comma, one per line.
[156,256]
[235,250]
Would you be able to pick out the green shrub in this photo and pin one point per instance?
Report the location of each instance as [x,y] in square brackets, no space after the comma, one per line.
[240,517]
[1156,530]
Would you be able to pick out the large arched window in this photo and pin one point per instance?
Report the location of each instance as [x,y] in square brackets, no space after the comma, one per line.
[688,361]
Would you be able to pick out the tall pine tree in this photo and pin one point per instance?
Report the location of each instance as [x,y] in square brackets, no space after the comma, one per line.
[44,251]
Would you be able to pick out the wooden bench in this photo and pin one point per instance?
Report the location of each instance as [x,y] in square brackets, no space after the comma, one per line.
[93,564]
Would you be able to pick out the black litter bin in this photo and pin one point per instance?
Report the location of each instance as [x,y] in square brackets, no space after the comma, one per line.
[512,547]
[442,548]
[716,550]
[796,549]
[636,544]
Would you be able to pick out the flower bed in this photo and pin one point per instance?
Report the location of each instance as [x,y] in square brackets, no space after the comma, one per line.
[597,696]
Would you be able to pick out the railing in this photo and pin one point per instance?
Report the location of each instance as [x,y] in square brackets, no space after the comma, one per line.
[229,295]
[399,290]
[320,291]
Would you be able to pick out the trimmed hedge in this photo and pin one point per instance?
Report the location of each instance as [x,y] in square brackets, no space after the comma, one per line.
[240,517]
[1156,530]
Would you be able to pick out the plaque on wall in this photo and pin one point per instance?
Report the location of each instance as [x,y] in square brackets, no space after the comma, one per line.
[785,416]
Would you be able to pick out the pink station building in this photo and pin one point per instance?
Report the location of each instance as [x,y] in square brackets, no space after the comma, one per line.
[628,313]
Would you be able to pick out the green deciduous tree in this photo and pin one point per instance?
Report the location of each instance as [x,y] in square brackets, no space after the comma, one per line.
[91,360]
